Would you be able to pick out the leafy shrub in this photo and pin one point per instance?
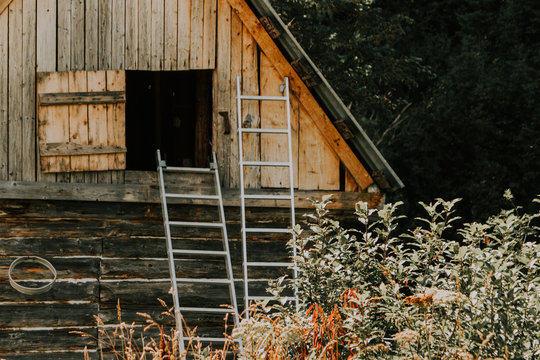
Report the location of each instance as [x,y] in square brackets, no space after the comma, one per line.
[367,293]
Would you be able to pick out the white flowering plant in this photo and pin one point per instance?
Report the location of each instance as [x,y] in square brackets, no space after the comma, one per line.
[434,292]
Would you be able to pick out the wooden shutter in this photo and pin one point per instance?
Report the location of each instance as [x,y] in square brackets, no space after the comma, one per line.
[81,121]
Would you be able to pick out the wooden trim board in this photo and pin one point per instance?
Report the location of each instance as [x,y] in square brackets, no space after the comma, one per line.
[74,98]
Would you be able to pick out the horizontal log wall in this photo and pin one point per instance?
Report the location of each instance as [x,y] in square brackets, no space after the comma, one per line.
[107,251]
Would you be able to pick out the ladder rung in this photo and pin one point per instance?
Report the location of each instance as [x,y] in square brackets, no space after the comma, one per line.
[203,281]
[270,264]
[198,252]
[286,298]
[269,197]
[267,230]
[199,224]
[260,97]
[206,310]
[192,196]
[265,163]
[188,169]
[265,131]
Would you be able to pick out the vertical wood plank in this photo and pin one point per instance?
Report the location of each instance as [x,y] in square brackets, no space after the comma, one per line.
[197,24]
[171,35]
[15,90]
[184,34]
[78,123]
[318,164]
[157,22]
[351,184]
[209,34]
[274,147]
[97,132]
[295,114]
[105,34]
[63,56]
[236,70]
[145,28]
[250,109]
[29,91]
[54,121]
[4,95]
[77,35]
[46,35]
[221,91]
[132,33]
[91,35]
[46,59]
[118,45]
[116,119]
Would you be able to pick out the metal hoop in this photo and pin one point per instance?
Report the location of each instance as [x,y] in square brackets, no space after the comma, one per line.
[28,290]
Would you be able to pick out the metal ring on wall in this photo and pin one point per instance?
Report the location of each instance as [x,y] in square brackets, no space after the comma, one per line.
[31,290]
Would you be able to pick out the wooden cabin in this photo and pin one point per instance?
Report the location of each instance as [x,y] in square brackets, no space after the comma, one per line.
[89,89]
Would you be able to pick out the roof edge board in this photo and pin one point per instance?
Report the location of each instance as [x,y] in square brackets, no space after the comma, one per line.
[331,101]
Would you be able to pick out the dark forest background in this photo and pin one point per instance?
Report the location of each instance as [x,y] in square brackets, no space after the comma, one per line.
[447,90]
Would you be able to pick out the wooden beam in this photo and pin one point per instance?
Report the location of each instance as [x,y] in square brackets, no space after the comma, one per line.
[58,149]
[321,120]
[4,5]
[146,193]
[80,98]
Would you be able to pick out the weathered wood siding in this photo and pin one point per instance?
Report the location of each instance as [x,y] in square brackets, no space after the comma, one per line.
[315,163]
[159,35]
[105,251]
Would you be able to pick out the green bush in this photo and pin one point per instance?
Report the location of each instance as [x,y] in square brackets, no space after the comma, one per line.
[434,292]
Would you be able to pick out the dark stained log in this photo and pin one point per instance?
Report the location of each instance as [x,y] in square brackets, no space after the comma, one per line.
[47,315]
[50,355]
[61,291]
[150,194]
[42,340]
[46,247]
[66,268]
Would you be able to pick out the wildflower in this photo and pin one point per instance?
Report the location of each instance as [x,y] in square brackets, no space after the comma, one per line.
[376,348]
[406,337]
[442,297]
[463,355]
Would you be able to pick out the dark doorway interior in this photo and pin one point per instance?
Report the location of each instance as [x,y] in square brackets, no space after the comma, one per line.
[170,111]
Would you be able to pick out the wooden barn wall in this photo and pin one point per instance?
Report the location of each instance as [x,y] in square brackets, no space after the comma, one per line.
[316,165]
[105,252]
[63,35]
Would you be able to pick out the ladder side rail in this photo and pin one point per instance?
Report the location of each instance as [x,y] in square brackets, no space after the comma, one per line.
[170,257]
[291,183]
[242,199]
[232,290]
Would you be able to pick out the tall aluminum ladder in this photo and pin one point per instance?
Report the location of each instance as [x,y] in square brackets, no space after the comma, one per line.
[171,252]
[284,89]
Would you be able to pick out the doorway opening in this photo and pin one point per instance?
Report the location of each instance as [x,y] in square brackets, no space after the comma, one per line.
[170,111]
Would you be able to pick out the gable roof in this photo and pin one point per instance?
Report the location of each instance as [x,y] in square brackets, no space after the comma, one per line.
[339,114]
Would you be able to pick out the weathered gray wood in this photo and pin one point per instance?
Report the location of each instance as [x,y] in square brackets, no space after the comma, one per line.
[131,34]
[63,48]
[15,64]
[57,149]
[170,48]
[209,34]
[105,34]
[29,91]
[77,35]
[4,95]
[91,35]
[145,35]
[118,47]
[73,98]
[184,34]
[197,33]
[157,36]
[150,193]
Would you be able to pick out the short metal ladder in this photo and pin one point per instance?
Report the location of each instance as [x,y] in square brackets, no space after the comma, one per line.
[262,196]
[171,252]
